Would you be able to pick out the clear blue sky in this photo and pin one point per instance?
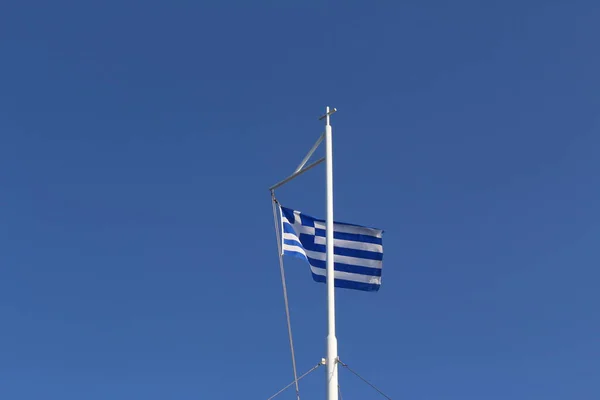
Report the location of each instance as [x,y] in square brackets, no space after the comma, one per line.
[137,142]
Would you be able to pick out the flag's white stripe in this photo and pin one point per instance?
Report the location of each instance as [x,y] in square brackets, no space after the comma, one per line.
[308,230]
[336,228]
[290,236]
[360,262]
[298,227]
[350,244]
[359,230]
[297,249]
[294,247]
[348,276]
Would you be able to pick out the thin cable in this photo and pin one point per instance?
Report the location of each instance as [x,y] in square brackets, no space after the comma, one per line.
[302,376]
[340,392]
[364,380]
[285,297]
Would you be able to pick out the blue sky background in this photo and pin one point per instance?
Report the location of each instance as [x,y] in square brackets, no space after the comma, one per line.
[138,140]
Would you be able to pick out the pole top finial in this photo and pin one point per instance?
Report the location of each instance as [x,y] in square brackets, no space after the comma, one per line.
[328,112]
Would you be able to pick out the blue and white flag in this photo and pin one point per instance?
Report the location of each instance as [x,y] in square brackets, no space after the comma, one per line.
[358,251]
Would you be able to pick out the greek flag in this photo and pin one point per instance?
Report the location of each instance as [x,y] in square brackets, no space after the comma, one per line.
[358,251]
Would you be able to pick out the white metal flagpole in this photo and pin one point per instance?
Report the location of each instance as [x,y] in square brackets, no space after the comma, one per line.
[332,354]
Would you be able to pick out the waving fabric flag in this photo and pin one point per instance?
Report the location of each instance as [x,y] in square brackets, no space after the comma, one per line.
[358,250]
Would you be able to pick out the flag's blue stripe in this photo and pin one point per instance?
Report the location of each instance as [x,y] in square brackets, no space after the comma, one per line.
[288,228]
[342,283]
[306,220]
[309,221]
[351,236]
[295,254]
[355,269]
[289,214]
[313,219]
[340,251]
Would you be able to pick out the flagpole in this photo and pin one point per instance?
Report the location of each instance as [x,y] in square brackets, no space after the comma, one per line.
[332,354]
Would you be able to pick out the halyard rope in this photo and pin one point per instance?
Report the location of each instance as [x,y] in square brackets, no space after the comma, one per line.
[285,297]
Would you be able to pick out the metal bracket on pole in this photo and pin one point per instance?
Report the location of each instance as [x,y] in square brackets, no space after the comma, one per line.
[295,174]
[310,153]
[302,168]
